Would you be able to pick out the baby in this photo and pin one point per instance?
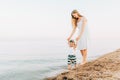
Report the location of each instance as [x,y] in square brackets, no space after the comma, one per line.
[71,54]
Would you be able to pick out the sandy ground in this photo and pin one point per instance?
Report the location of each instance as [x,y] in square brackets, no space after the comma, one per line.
[107,67]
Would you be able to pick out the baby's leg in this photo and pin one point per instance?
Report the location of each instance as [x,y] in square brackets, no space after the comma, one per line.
[69,64]
[69,67]
[75,64]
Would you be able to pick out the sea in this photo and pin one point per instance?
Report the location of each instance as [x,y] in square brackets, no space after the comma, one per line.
[42,58]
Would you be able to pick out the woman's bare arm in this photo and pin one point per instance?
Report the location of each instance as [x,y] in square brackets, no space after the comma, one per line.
[73,30]
[82,29]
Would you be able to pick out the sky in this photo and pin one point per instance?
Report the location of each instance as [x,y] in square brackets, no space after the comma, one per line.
[46,24]
[39,19]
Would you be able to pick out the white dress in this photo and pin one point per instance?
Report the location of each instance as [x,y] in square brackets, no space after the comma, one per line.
[83,41]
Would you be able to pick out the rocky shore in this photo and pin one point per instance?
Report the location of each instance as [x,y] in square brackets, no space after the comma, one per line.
[106,67]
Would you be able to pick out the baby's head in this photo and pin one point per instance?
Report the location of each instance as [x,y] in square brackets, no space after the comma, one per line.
[72,43]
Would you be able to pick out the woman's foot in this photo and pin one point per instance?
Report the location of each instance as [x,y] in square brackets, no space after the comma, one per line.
[84,62]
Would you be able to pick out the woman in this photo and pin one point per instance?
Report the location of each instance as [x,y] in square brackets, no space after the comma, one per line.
[80,22]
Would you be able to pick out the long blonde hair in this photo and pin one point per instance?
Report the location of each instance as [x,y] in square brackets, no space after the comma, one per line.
[75,20]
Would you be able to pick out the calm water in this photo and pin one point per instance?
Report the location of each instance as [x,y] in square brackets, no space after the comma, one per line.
[35,60]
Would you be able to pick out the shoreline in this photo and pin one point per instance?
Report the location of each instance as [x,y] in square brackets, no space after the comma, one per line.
[106,67]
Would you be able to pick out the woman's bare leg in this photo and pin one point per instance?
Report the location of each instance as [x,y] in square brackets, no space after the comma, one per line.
[82,52]
[84,56]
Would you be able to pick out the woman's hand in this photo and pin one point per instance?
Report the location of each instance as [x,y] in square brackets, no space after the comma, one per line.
[77,38]
[68,39]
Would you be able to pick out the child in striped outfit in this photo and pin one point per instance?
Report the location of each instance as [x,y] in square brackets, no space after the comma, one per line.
[71,54]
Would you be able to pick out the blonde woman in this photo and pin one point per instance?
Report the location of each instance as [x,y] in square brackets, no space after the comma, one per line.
[80,22]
